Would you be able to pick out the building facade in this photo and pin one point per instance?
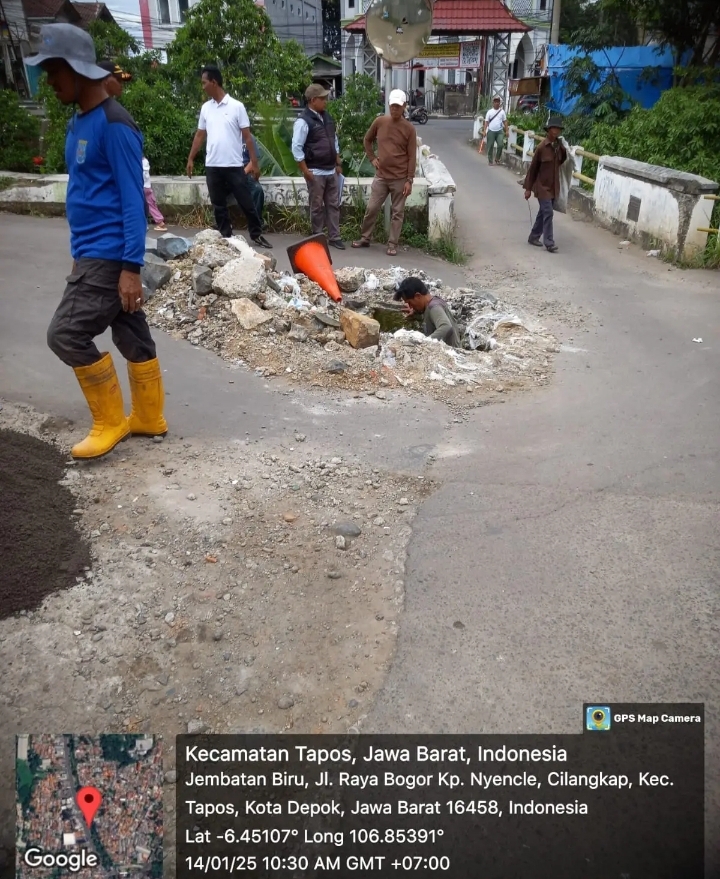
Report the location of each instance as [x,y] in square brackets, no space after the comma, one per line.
[299,20]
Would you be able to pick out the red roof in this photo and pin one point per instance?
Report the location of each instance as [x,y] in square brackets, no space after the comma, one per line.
[92,12]
[466,17]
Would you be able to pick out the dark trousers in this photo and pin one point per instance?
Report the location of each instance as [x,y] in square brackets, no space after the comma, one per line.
[91,304]
[543,225]
[258,196]
[222,182]
[324,195]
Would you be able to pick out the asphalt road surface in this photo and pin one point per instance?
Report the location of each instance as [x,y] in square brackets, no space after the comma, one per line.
[572,552]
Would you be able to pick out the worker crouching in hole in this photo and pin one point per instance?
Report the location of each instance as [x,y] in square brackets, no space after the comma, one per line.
[438,322]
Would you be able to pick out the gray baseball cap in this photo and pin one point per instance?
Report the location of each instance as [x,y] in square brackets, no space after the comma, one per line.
[70,44]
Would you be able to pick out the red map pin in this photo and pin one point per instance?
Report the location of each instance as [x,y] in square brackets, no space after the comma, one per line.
[89,799]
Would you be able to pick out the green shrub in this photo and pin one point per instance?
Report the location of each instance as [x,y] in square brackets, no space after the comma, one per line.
[168,124]
[354,112]
[681,131]
[19,133]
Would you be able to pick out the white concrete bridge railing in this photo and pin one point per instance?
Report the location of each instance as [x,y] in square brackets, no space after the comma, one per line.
[645,203]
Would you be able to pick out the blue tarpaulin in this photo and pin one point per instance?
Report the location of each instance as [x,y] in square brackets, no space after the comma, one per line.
[627,62]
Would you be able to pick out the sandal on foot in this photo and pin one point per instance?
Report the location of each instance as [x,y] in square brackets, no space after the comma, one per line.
[161,228]
[360,243]
[391,251]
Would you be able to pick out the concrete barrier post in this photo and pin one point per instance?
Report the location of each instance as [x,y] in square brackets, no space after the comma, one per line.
[528,146]
[578,162]
[512,141]
[477,127]
[441,215]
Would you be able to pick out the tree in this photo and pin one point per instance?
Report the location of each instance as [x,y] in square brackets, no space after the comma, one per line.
[354,112]
[238,37]
[111,41]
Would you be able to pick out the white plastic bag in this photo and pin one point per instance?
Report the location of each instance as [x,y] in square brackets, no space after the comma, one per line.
[566,172]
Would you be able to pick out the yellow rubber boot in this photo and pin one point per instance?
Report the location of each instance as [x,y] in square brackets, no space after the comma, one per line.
[148,399]
[99,383]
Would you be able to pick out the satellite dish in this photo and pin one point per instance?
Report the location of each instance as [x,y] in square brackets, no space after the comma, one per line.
[398,29]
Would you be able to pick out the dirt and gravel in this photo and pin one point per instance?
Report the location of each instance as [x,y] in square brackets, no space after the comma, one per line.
[241,588]
[301,340]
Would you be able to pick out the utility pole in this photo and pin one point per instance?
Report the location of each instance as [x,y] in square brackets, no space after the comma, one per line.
[555,22]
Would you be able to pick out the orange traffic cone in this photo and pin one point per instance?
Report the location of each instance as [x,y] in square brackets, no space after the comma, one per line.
[311,256]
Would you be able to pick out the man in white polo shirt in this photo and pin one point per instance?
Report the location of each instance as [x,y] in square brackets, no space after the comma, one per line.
[225,125]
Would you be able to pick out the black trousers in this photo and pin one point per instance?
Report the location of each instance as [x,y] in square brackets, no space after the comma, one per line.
[91,304]
[222,182]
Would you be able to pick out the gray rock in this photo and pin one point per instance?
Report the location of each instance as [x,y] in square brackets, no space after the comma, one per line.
[298,333]
[349,279]
[340,542]
[285,702]
[171,776]
[171,246]
[151,245]
[207,236]
[335,367]
[202,280]
[334,575]
[195,727]
[155,273]
[346,529]
[215,255]
[244,277]
[217,635]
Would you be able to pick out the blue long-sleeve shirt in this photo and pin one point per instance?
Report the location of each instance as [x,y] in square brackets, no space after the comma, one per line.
[105,202]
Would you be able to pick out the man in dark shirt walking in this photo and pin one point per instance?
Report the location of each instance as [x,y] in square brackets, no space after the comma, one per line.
[543,179]
[105,208]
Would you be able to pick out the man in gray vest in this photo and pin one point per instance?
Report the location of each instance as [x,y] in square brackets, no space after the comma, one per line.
[316,150]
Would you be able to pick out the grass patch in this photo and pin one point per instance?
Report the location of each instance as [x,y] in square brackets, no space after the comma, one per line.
[445,247]
[707,259]
[6,183]
[198,217]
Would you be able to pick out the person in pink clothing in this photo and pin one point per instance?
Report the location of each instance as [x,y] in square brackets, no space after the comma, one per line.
[155,214]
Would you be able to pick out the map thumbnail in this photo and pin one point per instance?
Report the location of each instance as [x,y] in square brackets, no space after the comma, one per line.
[125,833]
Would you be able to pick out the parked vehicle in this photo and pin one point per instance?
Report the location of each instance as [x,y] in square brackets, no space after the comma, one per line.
[419,115]
[528,104]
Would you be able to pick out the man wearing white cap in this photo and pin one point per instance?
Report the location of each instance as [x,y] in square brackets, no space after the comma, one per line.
[394,169]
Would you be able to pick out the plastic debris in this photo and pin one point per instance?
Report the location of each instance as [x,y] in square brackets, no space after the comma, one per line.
[653,253]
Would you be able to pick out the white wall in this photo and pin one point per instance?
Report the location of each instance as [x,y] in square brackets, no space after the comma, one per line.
[672,203]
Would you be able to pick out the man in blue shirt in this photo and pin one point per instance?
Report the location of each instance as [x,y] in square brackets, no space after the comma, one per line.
[105,208]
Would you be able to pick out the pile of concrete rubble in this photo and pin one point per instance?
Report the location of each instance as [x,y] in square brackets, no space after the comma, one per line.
[222,295]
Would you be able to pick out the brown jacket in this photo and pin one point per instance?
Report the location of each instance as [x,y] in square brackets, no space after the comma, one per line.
[543,176]
[397,145]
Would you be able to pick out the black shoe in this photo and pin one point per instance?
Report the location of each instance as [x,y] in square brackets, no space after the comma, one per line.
[338,242]
[262,241]
[553,249]
[534,241]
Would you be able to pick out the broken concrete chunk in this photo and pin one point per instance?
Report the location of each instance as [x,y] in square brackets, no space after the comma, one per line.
[298,333]
[266,259]
[171,246]
[243,277]
[248,314]
[349,279]
[272,300]
[202,280]
[151,245]
[360,330]
[215,255]
[207,236]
